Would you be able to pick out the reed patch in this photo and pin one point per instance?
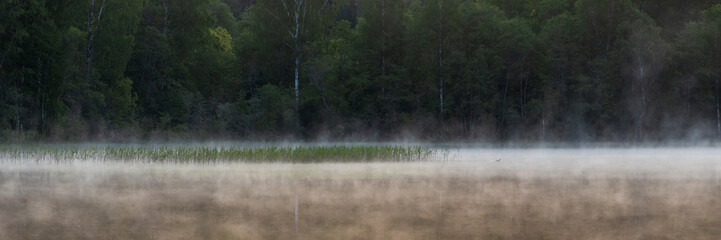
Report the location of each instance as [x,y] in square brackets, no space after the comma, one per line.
[220,154]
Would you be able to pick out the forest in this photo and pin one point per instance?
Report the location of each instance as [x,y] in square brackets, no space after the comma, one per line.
[360,70]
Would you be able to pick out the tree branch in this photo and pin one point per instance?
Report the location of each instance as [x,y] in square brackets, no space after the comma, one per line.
[322,7]
[4,55]
[286,8]
[272,14]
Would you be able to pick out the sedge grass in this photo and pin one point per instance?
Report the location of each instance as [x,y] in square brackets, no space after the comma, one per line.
[211,154]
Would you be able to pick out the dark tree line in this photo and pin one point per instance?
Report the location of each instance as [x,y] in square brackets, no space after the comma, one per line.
[491,70]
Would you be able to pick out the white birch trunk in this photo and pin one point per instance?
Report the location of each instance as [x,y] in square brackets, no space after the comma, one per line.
[543,127]
[167,15]
[17,117]
[642,82]
[92,27]
[295,11]
[296,40]
[297,63]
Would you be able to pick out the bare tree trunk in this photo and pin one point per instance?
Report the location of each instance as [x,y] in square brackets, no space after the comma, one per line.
[383,36]
[17,118]
[640,76]
[92,27]
[297,63]
[525,93]
[383,44]
[505,92]
[297,15]
[42,116]
[316,78]
[440,51]
[167,15]
[18,105]
[16,97]
[595,28]
[88,57]
[440,73]
[520,91]
[42,107]
[523,86]
[688,101]
[3,58]
[297,52]
[543,126]
[89,48]
[520,76]
[611,24]
[718,111]
[642,113]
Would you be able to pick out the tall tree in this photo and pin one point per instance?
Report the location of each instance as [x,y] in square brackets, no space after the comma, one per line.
[562,37]
[113,42]
[30,64]
[437,15]
[379,87]
[94,15]
[297,21]
[646,52]
[706,37]
[473,57]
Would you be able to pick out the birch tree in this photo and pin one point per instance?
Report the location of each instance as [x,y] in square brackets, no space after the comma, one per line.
[380,41]
[94,15]
[296,21]
[647,55]
[110,26]
[166,14]
[438,13]
[431,34]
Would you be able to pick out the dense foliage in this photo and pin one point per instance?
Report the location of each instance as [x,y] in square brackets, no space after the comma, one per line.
[492,70]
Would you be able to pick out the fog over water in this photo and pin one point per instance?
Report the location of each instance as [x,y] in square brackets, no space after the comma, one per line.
[465,193]
[672,161]
[668,162]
